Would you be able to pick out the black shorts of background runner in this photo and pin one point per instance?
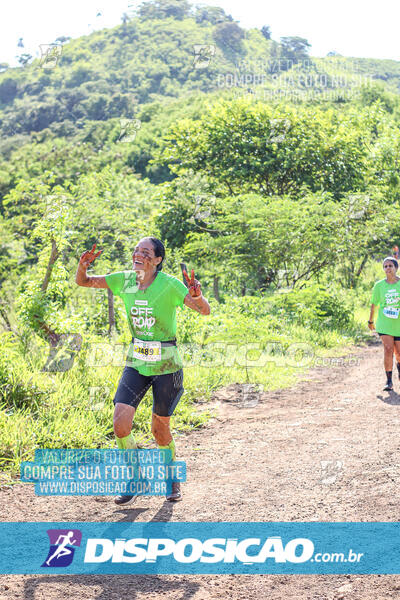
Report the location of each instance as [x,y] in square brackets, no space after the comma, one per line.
[395,337]
[167,390]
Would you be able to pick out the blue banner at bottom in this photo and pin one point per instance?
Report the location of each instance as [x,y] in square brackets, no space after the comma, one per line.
[200,548]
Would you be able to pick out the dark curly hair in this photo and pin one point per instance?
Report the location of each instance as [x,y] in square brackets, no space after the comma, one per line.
[159,250]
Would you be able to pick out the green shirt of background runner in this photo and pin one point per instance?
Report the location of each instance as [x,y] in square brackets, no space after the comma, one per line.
[386,295]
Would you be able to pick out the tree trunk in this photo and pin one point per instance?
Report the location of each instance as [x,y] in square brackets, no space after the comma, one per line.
[5,318]
[361,267]
[52,337]
[52,260]
[68,344]
[351,276]
[216,288]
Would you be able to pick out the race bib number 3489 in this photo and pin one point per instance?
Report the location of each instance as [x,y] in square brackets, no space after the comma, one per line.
[148,351]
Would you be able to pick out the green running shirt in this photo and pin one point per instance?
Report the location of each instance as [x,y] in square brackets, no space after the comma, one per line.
[387,296]
[151,317]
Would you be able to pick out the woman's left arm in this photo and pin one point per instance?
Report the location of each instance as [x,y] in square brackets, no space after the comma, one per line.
[195,299]
[198,303]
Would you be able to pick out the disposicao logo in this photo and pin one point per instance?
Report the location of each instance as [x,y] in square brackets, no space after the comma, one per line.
[190,550]
[62,542]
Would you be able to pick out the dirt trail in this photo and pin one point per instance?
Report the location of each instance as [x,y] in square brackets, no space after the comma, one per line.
[325,450]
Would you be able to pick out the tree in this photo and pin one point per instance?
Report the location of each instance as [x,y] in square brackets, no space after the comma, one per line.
[246,146]
[43,293]
[162,9]
[79,75]
[183,203]
[369,94]
[211,14]
[24,59]
[266,31]
[368,224]
[294,48]
[229,36]
[62,39]
[8,90]
[4,66]
[247,241]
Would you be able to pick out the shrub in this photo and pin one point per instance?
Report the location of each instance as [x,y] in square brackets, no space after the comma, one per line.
[315,306]
[18,388]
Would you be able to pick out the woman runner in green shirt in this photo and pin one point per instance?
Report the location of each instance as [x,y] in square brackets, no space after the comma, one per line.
[150,299]
[386,295]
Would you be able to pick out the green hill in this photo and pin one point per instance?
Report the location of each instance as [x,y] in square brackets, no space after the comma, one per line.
[113,72]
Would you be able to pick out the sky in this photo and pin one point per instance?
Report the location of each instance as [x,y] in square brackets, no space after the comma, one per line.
[350,27]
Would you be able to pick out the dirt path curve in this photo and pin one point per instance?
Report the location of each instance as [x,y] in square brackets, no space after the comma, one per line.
[325,450]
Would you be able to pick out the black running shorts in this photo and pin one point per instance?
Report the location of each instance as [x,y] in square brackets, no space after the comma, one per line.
[167,390]
[395,337]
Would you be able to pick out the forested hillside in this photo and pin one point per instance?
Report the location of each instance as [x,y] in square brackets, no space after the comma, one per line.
[275,175]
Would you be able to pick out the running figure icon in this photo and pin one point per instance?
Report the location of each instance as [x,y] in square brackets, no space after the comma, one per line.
[62,549]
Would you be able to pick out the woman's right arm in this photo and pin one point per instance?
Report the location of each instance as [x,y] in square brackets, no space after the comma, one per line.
[93,281]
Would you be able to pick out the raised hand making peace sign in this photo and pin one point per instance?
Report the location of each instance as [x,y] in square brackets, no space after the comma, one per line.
[89,256]
[193,285]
